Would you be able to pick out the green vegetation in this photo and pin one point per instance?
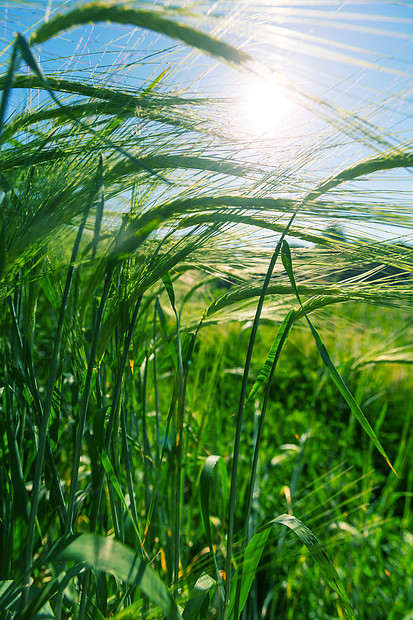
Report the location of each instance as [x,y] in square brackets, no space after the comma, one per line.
[198,420]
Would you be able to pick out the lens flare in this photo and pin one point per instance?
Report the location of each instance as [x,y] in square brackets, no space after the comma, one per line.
[264,108]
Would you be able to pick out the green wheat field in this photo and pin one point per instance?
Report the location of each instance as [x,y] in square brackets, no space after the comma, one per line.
[206,295]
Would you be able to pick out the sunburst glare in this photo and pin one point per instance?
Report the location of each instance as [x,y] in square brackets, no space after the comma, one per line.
[264,107]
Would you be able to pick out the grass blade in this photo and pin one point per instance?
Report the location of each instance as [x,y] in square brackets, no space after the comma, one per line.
[274,353]
[199,597]
[320,557]
[204,495]
[54,365]
[99,207]
[167,281]
[334,374]
[110,472]
[8,84]
[116,397]
[237,440]
[111,556]
[267,371]
[252,557]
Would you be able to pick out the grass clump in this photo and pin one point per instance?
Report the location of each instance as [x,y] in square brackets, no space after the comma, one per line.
[166,359]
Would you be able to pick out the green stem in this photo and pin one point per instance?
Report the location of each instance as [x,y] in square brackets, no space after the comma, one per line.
[257,445]
[179,433]
[239,419]
[54,366]
[113,410]
[84,404]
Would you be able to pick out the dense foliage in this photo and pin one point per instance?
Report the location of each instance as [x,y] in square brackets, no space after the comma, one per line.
[197,420]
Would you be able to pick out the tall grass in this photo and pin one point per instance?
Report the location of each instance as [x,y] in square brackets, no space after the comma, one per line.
[141,473]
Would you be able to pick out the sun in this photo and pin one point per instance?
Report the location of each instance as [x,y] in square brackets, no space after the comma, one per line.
[264,107]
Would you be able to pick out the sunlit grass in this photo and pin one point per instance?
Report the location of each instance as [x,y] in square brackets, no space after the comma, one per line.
[167,415]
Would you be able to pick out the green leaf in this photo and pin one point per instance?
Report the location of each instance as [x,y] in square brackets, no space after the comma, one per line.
[40,597]
[334,374]
[204,495]
[133,612]
[205,487]
[156,81]
[199,597]
[320,557]
[166,279]
[112,556]
[30,60]
[110,472]
[253,553]
[9,593]
[274,353]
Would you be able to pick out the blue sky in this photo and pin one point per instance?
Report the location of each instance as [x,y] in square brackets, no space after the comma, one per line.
[357,56]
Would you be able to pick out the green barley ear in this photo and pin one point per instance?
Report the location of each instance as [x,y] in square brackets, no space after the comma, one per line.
[29,58]
[95,12]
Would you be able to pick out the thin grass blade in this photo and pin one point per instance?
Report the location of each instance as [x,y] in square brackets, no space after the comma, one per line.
[54,366]
[274,353]
[204,495]
[334,374]
[167,281]
[320,557]
[8,84]
[110,472]
[99,207]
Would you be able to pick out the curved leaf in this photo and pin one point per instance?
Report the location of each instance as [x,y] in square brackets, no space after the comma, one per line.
[254,552]
[204,494]
[334,374]
[320,557]
[199,597]
[94,12]
[112,556]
